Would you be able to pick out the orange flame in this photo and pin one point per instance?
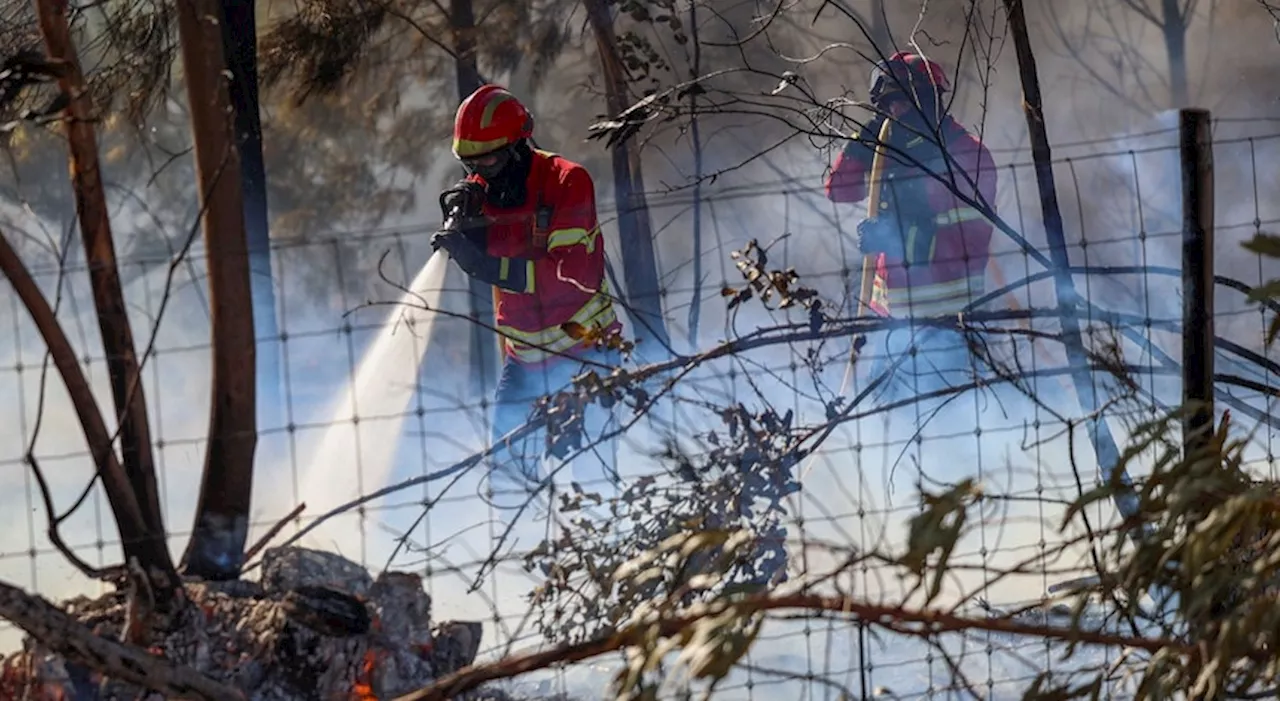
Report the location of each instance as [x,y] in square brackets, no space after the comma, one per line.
[363,688]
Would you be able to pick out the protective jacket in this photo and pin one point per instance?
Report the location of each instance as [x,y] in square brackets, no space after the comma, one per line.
[554,234]
[941,264]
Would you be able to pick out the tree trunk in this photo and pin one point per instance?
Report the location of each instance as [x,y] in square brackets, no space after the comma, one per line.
[1174,28]
[695,138]
[485,343]
[216,542]
[216,549]
[880,33]
[240,48]
[1104,444]
[639,260]
[149,546]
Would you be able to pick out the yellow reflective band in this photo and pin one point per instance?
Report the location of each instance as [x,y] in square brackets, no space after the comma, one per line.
[530,346]
[571,237]
[466,148]
[958,215]
[563,342]
[504,274]
[879,293]
[587,313]
[490,107]
[935,300]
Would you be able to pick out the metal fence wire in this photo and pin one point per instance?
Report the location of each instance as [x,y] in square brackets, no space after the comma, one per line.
[1022,433]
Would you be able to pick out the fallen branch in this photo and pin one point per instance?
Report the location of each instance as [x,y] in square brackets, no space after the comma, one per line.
[927,622]
[58,632]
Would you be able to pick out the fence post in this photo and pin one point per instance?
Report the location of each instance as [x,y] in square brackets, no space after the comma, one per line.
[1196,151]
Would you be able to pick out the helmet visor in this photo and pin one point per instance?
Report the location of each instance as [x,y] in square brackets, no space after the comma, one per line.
[488,165]
[887,83]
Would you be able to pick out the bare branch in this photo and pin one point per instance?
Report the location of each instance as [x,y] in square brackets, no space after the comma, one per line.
[923,622]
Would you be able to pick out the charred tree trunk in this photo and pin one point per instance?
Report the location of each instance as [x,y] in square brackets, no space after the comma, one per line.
[136,457]
[485,343]
[240,48]
[216,549]
[695,138]
[639,260]
[1104,444]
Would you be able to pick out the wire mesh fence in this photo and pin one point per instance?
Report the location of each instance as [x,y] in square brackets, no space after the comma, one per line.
[760,426]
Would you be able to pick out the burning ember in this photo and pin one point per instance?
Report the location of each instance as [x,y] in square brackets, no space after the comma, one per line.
[317,626]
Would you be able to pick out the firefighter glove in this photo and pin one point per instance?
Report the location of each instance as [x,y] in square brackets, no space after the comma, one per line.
[464,201]
[879,235]
[507,273]
[454,242]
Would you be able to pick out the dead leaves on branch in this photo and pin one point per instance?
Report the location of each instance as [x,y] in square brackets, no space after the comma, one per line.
[598,337]
[714,530]
[776,289]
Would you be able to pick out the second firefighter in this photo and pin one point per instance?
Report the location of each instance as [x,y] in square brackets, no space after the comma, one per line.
[929,244]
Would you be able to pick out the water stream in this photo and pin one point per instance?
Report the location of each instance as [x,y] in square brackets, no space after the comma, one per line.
[356,454]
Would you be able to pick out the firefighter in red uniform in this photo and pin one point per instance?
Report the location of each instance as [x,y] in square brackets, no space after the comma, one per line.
[524,221]
[931,246]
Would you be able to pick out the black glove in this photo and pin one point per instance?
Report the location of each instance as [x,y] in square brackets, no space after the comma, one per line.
[464,202]
[454,242]
[879,235]
[507,273]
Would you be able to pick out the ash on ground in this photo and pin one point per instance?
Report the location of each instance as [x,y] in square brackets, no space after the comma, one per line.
[315,627]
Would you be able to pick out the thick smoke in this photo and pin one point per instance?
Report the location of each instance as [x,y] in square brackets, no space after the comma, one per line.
[870,467]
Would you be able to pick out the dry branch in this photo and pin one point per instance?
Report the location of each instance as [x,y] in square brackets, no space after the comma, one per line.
[895,618]
[57,631]
[136,458]
[124,504]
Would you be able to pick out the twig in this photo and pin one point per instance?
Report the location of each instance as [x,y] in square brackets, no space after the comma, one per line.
[61,634]
[54,535]
[924,622]
[273,531]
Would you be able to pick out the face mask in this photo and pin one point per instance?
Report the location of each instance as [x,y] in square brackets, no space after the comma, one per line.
[505,174]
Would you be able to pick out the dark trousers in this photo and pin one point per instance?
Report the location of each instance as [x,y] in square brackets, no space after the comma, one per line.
[516,467]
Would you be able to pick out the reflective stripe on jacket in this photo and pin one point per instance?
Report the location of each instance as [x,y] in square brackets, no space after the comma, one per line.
[565,263]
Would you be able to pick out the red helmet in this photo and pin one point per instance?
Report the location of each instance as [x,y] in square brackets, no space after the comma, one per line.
[908,74]
[488,120]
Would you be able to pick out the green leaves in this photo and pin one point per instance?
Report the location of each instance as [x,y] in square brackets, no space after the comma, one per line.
[1268,246]
[933,533]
